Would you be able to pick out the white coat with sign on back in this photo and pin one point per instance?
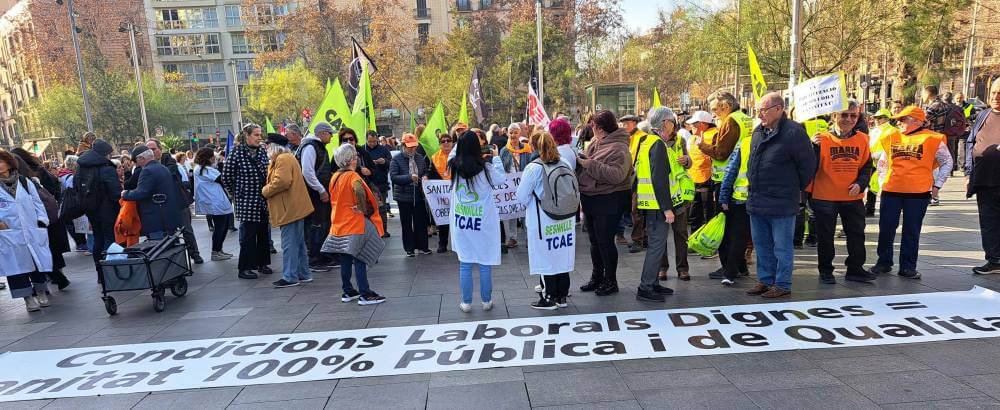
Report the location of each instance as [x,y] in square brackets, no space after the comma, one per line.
[24,246]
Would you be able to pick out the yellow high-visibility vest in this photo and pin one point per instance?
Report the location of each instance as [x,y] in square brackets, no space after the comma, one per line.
[746,128]
[741,188]
[644,193]
[681,184]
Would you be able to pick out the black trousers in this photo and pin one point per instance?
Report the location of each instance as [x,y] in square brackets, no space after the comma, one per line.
[220,230]
[852,216]
[870,199]
[602,215]
[413,217]
[104,236]
[443,236]
[804,217]
[988,200]
[732,250]
[556,286]
[79,238]
[254,248]
[703,208]
[317,229]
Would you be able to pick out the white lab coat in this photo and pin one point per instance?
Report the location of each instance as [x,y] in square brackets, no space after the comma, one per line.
[475,231]
[551,243]
[24,247]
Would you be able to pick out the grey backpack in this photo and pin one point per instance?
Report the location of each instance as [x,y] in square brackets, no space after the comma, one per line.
[560,192]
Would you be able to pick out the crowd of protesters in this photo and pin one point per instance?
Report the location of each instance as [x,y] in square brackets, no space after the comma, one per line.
[780,183]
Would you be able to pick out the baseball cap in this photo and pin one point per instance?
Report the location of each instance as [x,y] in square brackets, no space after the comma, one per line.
[410,140]
[883,113]
[912,111]
[700,116]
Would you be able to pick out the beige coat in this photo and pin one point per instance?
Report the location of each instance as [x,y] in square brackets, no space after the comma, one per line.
[285,191]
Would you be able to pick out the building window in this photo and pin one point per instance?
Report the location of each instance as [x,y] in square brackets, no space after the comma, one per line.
[423,32]
[422,10]
[463,5]
[187,44]
[240,44]
[211,98]
[168,19]
[233,18]
[198,72]
[485,4]
[272,41]
[244,71]
[243,96]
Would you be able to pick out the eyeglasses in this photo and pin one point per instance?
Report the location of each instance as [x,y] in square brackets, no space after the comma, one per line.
[851,115]
[446,141]
[765,109]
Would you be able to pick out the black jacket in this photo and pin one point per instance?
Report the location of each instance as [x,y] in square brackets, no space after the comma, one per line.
[403,187]
[380,172]
[781,165]
[95,167]
[168,161]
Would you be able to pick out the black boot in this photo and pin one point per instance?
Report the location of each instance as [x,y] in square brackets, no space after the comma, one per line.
[595,282]
[607,288]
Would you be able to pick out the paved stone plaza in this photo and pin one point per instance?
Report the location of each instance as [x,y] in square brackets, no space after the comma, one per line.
[423,290]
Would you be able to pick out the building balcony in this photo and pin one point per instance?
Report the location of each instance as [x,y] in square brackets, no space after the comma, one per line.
[422,14]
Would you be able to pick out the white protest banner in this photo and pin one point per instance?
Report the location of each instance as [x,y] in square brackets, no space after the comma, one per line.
[438,194]
[819,96]
[284,358]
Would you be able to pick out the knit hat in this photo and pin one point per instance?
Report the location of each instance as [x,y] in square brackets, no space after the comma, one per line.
[139,150]
[102,148]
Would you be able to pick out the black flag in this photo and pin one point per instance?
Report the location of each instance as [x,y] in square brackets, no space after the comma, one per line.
[476,95]
[358,57]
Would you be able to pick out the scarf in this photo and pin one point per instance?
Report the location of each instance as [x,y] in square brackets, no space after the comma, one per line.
[9,184]
[413,162]
[525,148]
[441,164]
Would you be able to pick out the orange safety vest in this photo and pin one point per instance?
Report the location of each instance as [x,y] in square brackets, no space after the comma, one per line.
[911,161]
[839,162]
[701,164]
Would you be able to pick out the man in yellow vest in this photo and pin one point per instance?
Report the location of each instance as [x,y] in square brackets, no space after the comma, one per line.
[664,191]
[734,126]
[912,153]
[883,126]
[636,135]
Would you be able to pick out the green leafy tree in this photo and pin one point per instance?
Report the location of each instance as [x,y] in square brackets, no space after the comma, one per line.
[283,92]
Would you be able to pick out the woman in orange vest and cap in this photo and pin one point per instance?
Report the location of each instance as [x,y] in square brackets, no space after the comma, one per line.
[912,153]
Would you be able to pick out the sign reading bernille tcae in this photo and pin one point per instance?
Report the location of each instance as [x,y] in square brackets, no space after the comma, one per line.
[513,342]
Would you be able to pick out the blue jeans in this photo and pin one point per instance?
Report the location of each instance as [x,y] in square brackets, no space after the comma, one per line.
[772,241]
[360,272]
[294,261]
[485,281]
[913,210]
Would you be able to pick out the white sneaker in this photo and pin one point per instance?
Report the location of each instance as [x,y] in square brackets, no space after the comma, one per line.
[727,282]
[31,304]
[465,307]
[42,298]
[488,305]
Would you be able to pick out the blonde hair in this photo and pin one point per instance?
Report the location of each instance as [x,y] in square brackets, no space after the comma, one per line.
[545,146]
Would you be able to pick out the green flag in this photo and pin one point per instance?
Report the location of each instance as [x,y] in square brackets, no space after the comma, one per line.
[328,85]
[463,111]
[436,124]
[335,111]
[268,126]
[363,103]
[656,98]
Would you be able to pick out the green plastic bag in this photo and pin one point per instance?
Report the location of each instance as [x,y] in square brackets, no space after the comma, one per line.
[706,240]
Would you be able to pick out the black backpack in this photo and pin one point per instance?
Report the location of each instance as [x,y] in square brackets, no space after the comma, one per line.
[83,197]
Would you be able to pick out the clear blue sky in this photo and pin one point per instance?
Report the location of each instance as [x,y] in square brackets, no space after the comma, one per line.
[642,14]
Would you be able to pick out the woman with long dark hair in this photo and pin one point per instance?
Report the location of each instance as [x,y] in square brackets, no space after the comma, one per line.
[210,200]
[475,221]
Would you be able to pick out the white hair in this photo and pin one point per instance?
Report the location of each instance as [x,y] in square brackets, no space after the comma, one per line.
[145,155]
[71,162]
[343,155]
[273,150]
[514,126]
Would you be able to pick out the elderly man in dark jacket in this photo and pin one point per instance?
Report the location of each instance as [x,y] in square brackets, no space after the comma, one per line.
[97,170]
[184,200]
[158,195]
[781,165]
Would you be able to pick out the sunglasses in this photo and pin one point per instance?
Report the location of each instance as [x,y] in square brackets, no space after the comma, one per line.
[446,141]
[349,140]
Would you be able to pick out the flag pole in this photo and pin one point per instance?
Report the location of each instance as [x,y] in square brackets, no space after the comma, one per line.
[538,34]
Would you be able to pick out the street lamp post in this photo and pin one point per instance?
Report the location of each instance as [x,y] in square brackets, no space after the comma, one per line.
[79,63]
[138,75]
[794,43]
